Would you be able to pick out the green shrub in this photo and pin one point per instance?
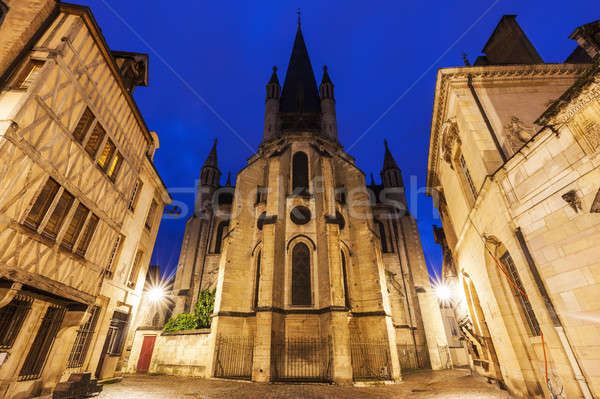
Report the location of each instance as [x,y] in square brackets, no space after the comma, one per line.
[199,319]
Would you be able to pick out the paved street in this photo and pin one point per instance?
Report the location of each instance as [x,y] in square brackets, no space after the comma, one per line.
[426,384]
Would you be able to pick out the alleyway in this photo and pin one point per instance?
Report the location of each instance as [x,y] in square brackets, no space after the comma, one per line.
[438,384]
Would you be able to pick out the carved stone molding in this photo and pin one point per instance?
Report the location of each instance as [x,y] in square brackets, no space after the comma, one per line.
[450,138]
[572,198]
[517,133]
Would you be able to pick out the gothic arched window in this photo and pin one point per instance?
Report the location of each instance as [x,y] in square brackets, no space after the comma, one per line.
[382,237]
[219,237]
[300,173]
[345,277]
[301,292]
[257,280]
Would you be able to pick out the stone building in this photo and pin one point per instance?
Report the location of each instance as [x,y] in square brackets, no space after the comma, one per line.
[80,199]
[513,169]
[318,275]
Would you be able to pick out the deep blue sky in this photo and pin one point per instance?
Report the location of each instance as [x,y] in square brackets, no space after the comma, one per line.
[374,50]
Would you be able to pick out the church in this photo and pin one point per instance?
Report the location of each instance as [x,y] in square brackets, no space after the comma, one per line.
[318,276]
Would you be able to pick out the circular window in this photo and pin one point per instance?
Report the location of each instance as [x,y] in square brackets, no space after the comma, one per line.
[300,215]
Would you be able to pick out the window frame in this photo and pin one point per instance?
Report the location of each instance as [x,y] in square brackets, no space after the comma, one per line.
[296,188]
[32,66]
[149,222]
[308,277]
[83,340]
[12,322]
[523,303]
[136,266]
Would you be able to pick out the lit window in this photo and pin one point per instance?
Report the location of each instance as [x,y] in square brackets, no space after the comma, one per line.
[115,165]
[106,155]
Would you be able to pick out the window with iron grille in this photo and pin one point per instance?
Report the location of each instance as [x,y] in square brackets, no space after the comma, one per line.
[116,333]
[12,317]
[83,340]
[522,300]
[42,344]
[135,194]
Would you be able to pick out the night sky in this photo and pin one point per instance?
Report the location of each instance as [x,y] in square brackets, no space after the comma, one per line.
[222,53]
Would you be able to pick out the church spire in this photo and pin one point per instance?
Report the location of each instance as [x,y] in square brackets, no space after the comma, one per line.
[210,174]
[388,159]
[300,93]
[391,176]
[328,119]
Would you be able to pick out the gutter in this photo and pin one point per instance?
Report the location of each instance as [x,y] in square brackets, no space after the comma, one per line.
[485,118]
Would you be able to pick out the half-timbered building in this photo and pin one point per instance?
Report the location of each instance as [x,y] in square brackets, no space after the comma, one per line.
[80,199]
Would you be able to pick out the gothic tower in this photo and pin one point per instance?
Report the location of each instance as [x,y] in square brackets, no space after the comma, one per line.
[316,278]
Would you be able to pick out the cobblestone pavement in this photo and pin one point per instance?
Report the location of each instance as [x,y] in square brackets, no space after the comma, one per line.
[425,384]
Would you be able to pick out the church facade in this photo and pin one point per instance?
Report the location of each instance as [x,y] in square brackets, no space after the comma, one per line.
[318,275]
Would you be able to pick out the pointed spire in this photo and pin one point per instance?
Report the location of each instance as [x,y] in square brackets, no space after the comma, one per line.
[274,78]
[326,78]
[372,179]
[300,93]
[211,159]
[228,183]
[388,159]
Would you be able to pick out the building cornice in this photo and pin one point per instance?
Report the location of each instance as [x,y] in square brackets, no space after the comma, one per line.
[449,78]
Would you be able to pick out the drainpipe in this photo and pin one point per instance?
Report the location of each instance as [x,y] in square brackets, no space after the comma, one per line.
[583,385]
[485,118]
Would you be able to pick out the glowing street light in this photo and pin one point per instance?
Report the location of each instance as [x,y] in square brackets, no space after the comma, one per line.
[156,294]
[442,291]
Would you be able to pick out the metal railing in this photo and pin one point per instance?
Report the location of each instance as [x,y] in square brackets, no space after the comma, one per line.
[234,357]
[413,357]
[302,359]
[370,360]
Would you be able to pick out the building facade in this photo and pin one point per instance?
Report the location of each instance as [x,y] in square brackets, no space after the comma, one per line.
[80,199]
[513,169]
[318,275]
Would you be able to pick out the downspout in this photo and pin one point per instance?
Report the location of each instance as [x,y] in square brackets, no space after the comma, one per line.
[583,384]
[485,118]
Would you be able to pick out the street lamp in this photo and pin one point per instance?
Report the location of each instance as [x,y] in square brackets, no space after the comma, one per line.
[443,292]
[156,294]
